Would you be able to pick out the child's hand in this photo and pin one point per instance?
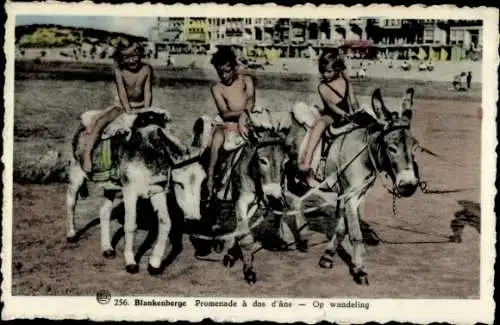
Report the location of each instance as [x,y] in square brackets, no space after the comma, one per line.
[242,125]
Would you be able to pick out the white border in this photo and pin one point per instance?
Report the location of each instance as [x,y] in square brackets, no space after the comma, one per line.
[381,310]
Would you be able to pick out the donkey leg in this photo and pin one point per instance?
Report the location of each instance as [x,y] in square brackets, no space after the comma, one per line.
[356,238]
[130,202]
[105,217]
[76,179]
[233,253]
[159,202]
[247,242]
[302,230]
[326,261]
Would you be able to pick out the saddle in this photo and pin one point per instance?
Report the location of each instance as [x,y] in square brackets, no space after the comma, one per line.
[120,125]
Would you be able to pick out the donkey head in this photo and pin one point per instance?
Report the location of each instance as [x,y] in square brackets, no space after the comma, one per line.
[396,143]
[187,182]
[268,169]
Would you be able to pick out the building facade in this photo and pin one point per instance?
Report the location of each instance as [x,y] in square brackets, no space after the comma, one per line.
[391,38]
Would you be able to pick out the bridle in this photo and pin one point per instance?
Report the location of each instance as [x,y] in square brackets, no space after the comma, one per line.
[379,159]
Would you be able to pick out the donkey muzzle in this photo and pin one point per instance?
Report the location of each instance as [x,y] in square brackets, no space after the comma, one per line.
[273,195]
[407,182]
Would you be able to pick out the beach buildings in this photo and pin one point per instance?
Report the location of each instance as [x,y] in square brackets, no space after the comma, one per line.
[420,39]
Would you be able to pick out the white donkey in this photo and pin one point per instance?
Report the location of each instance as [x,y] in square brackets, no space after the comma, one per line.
[145,159]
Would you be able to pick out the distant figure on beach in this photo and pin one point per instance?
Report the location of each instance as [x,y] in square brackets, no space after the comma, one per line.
[469,79]
[339,100]
[430,66]
[170,60]
[234,96]
[459,81]
[133,83]
[405,66]
[285,67]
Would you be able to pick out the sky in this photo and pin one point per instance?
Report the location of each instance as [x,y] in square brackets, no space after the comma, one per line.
[138,26]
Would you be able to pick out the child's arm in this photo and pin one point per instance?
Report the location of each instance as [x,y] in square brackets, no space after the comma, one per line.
[250,92]
[148,92]
[122,92]
[331,100]
[224,111]
[352,97]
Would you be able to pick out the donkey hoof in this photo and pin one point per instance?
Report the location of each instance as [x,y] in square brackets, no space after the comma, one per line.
[371,238]
[71,239]
[361,277]
[325,263]
[250,277]
[132,268]
[218,246]
[455,239]
[153,270]
[303,245]
[109,253]
[228,261]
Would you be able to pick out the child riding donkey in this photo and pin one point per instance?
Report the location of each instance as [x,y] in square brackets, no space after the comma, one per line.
[133,83]
[339,100]
[234,97]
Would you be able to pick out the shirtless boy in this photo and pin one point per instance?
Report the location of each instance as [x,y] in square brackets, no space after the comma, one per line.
[338,98]
[133,83]
[234,97]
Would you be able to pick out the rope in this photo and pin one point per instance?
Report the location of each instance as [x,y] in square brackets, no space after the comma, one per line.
[346,196]
[232,234]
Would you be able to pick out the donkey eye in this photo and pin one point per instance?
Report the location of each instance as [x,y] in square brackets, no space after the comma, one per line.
[177,184]
[263,161]
[392,149]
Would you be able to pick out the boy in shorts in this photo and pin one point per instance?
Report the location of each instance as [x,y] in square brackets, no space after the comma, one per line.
[234,97]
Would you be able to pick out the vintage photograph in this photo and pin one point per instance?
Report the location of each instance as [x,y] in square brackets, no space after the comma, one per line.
[249,156]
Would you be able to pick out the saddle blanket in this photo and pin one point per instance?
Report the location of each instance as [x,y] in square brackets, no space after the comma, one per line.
[105,161]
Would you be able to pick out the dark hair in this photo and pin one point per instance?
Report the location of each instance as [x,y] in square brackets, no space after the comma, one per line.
[222,56]
[331,56]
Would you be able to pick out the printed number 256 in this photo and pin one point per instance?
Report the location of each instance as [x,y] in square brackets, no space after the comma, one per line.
[121,302]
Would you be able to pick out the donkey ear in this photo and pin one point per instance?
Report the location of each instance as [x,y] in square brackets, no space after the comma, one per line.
[378,105]
[407,105]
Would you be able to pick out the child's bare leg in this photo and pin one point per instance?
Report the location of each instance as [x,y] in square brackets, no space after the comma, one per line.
[94,120]
[92,137]
[313,141]
[217,142]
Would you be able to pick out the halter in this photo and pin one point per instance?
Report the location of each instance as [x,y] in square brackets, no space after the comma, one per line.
[391,127]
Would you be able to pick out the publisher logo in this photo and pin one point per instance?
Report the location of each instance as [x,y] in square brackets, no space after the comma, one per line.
[103,297]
